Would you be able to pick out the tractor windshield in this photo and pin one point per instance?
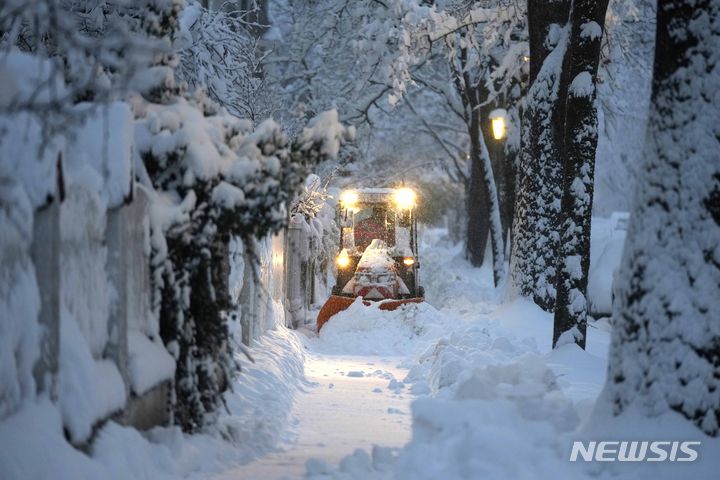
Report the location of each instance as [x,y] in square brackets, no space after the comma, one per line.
[374,221]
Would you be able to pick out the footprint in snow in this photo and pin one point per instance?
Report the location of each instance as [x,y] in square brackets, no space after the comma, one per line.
[356,374]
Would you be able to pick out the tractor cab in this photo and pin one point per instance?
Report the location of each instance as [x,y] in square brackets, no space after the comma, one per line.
[378,255]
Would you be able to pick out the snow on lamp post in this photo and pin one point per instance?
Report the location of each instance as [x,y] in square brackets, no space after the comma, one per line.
[498,119]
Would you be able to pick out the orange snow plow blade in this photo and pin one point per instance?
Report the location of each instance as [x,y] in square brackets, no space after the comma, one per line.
[336,304]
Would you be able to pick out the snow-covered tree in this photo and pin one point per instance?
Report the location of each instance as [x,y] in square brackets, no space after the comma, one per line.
[323,57]
[535,227]
[578,147]
[551,248]
[97,48]
[220,52]
[472,55]
[665,351]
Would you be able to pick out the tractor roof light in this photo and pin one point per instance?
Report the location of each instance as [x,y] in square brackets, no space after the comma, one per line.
[405,198]
[409,261]
[349,199]
[343,259]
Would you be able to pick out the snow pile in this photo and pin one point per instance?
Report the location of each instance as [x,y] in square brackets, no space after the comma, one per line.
[376,258]
[606,247]
[260,403]
[104,141]
[149,363]
[494,401]
[258,421]
[118,453]
[89,389]
[367,330]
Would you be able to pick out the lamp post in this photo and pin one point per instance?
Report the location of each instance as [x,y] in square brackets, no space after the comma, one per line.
[498,120]
[499,125]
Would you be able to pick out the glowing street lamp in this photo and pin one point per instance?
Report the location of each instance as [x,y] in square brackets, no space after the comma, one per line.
[498,119]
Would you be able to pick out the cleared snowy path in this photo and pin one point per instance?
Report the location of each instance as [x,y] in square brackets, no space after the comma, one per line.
[348,406]
[356,397]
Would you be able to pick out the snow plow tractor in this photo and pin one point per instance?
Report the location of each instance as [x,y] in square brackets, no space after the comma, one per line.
[378,256]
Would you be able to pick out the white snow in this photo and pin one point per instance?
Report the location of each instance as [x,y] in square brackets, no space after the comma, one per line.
[326,129]
[19,300]
[376,257]
[582,86]
[590,31]
[463,386]
[89,389]
[104,141]
[149,363]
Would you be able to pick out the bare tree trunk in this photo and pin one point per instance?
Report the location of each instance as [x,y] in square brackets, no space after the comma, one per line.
[478,224]
[578,147]
[665,350]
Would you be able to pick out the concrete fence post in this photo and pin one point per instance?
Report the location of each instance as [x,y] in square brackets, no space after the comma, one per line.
[129,274]
[248,302]
[296,282]
[45,252]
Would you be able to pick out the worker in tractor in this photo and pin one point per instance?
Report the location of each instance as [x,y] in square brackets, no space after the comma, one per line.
[374,222]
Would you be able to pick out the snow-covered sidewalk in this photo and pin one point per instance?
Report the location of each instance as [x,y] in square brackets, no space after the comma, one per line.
[347,406]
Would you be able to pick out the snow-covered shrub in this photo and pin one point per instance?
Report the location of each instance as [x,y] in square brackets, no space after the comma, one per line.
[315,208]
[214,177]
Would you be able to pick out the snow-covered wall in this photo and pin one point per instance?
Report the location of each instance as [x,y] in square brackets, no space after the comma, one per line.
[75,318]
[258,294]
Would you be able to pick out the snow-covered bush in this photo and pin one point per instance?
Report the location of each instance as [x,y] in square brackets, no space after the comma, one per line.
[214,177]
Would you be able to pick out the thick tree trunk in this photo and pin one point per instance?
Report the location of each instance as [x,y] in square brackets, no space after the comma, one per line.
[578,152]
[483,205]
[665,351]
[539,190]
[478,224]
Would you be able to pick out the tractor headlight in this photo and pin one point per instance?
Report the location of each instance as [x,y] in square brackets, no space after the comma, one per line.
[349,199]
[409,261]
[343,259]
[404,198]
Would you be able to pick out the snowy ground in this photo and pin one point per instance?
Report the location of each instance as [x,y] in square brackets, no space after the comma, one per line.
[368,365]
[347,406]
[463,386]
